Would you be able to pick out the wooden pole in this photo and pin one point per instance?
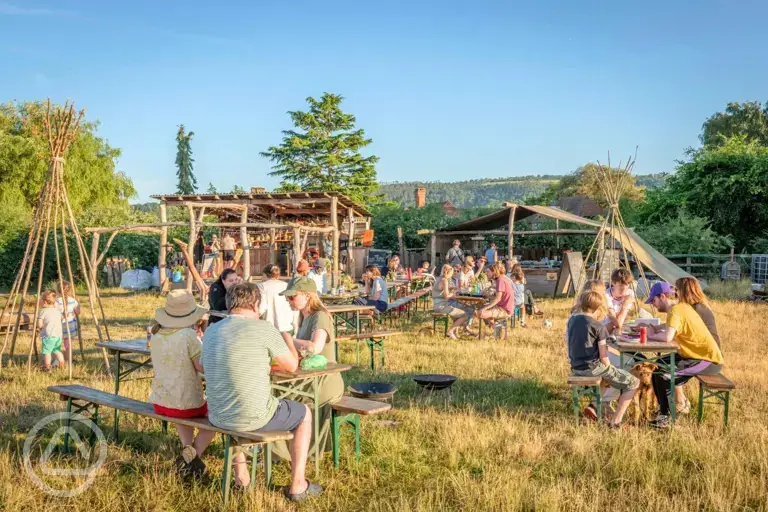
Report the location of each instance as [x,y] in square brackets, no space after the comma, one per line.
[190,247]
[557,238]
[246,246]
[350,256]
[94,254]
[335,224]
[400,246]
[272,246]
[296,256]
[510,238]
[162,253]
[433,250]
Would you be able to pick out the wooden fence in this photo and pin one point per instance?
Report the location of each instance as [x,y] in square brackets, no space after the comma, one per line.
[708,265]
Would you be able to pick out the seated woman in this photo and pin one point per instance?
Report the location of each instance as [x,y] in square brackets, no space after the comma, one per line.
[394,268]
[503,303]
[218,293]
[467,272]
[445,304]
[315,336]
[698,352]
[375,290]
[177,389]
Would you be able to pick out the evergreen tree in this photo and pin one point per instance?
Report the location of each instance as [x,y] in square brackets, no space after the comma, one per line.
[324,153]
[187,182]
[211,189]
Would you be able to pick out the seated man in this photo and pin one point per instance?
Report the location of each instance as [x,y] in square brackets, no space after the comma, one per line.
[236,358]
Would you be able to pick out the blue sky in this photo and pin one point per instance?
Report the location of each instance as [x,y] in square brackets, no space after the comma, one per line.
[446,90]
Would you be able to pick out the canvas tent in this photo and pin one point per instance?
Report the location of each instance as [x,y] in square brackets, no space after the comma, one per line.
[505,218]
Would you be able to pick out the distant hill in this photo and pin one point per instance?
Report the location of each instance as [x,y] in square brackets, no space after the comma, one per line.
[485,192]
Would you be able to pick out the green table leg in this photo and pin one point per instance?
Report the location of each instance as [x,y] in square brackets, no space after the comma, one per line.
[316,407]
[116,426]
[672,404]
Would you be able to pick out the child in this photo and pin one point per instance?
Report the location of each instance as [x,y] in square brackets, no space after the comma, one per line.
[518,283]
[620,297]
[177,390]
[423,268]
[588,352]
[70,315]
[49,322]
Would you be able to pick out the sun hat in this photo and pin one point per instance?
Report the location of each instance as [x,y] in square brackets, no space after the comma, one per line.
[659,288]
[300,285]
[180,310]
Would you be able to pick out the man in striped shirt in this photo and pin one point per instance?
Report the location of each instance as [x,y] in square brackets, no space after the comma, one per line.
[236,359]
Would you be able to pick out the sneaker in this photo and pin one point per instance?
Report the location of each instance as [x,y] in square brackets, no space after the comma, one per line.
[661,422]
[590,413]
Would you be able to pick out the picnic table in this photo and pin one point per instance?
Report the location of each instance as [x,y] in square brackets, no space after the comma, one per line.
[347,315]
[283,383]
[344,298]
[654,352]
[475,301]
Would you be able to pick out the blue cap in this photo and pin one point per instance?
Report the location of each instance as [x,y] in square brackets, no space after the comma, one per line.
[657,289]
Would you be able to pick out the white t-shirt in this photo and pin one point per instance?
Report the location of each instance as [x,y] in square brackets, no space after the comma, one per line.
[319,280]
[274,308]
[615,304]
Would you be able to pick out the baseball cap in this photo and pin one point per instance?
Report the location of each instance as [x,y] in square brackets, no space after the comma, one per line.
[304,284]
[321,263]
[659,288]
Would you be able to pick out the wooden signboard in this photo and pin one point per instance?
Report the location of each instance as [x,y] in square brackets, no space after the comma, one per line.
[570,273]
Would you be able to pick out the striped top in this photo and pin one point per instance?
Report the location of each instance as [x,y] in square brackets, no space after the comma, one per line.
[236,358]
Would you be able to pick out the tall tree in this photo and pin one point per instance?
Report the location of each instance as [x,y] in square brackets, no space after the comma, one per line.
[211,189]
[323,153]
[749,119]
[184,162]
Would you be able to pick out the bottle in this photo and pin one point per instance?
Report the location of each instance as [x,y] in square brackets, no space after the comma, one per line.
[643,335]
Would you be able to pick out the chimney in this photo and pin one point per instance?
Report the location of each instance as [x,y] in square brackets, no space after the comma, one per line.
[258,190]
[421,197]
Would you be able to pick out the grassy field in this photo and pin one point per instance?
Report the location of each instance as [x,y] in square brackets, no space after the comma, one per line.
[507,442]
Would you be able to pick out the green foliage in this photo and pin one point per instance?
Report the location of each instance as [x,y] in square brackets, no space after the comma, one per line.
[749,119]
[237,189]
[584,181]
[211,189]
[184,162]
[387,217]
[324,155]
[481,193]
[728,289]
[684,234]
[727,184]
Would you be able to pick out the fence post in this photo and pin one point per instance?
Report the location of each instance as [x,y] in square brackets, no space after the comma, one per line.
[688,264]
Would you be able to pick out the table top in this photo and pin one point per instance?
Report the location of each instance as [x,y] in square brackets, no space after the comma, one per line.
[137,346]
[471,298]
[345,296]
[625,344]
[330,369]
[347,308]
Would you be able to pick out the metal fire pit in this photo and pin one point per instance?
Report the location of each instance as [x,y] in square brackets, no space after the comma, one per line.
[435,382]
[382,391]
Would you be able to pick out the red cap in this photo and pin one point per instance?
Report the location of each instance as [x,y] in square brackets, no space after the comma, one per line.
[302,266]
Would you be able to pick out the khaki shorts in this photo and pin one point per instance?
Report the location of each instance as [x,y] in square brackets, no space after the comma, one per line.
[496,313]
[446,308]
[614,377]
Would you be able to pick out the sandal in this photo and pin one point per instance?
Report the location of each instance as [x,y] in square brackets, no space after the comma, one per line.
[311,490]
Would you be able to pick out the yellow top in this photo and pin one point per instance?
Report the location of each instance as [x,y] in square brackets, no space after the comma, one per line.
[692,335]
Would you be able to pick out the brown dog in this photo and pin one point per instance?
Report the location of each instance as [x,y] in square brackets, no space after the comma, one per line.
[645,399]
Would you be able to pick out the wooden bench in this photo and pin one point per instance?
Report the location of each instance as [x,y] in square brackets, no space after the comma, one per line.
[86,398]
[718,387]
[375,342]
[444,319]
[585,387]
[348,411]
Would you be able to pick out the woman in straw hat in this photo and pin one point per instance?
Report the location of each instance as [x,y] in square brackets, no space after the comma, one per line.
[177,389]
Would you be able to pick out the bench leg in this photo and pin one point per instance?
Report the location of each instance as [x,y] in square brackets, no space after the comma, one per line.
[116,425]
[575,404]
[599,401]
[727,402]
[67,423]
[701,402]
[164,426]
[226,474]
[357,435]
[335,427]
[254,462]
[95,419]
[268,465]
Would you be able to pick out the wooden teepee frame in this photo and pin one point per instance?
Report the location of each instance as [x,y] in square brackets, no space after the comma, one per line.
[614,184]
[53,215]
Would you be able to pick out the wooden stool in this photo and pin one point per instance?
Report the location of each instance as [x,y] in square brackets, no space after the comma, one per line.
[718,387]
[589,387]
[347,410]
[439,317]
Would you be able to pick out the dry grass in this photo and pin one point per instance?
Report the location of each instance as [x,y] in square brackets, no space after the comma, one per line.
[508,441]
